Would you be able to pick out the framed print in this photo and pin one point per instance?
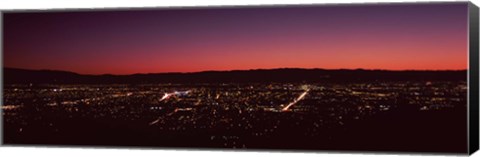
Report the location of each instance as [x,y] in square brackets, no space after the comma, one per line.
[391,77]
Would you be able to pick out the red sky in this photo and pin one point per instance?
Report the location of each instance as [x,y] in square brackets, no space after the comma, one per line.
[391,37]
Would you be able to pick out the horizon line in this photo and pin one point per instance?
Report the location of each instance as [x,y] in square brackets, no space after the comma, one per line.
[395,70]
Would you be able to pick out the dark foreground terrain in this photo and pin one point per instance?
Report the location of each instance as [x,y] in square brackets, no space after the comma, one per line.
[418,115]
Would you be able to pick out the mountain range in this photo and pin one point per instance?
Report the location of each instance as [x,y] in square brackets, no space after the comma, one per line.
[15,75]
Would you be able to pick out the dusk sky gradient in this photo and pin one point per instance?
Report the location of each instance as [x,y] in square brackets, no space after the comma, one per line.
[392,37]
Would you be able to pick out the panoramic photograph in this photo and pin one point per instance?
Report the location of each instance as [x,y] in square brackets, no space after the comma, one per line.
[364,77]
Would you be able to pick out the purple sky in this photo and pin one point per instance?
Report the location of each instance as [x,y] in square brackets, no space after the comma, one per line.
[393,37]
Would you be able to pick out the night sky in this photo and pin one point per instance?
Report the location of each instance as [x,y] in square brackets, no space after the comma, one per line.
[391,37]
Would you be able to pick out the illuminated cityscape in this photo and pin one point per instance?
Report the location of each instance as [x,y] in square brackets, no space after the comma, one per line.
[223,115]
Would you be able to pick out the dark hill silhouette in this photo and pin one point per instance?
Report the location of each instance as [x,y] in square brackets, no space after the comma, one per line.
[14,75]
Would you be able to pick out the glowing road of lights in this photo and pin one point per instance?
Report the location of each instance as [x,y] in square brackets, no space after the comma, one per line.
[155,121]
[296,100]
[166,96]
[176,93]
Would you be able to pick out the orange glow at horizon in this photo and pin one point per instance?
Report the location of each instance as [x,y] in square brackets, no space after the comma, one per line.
[389,37]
